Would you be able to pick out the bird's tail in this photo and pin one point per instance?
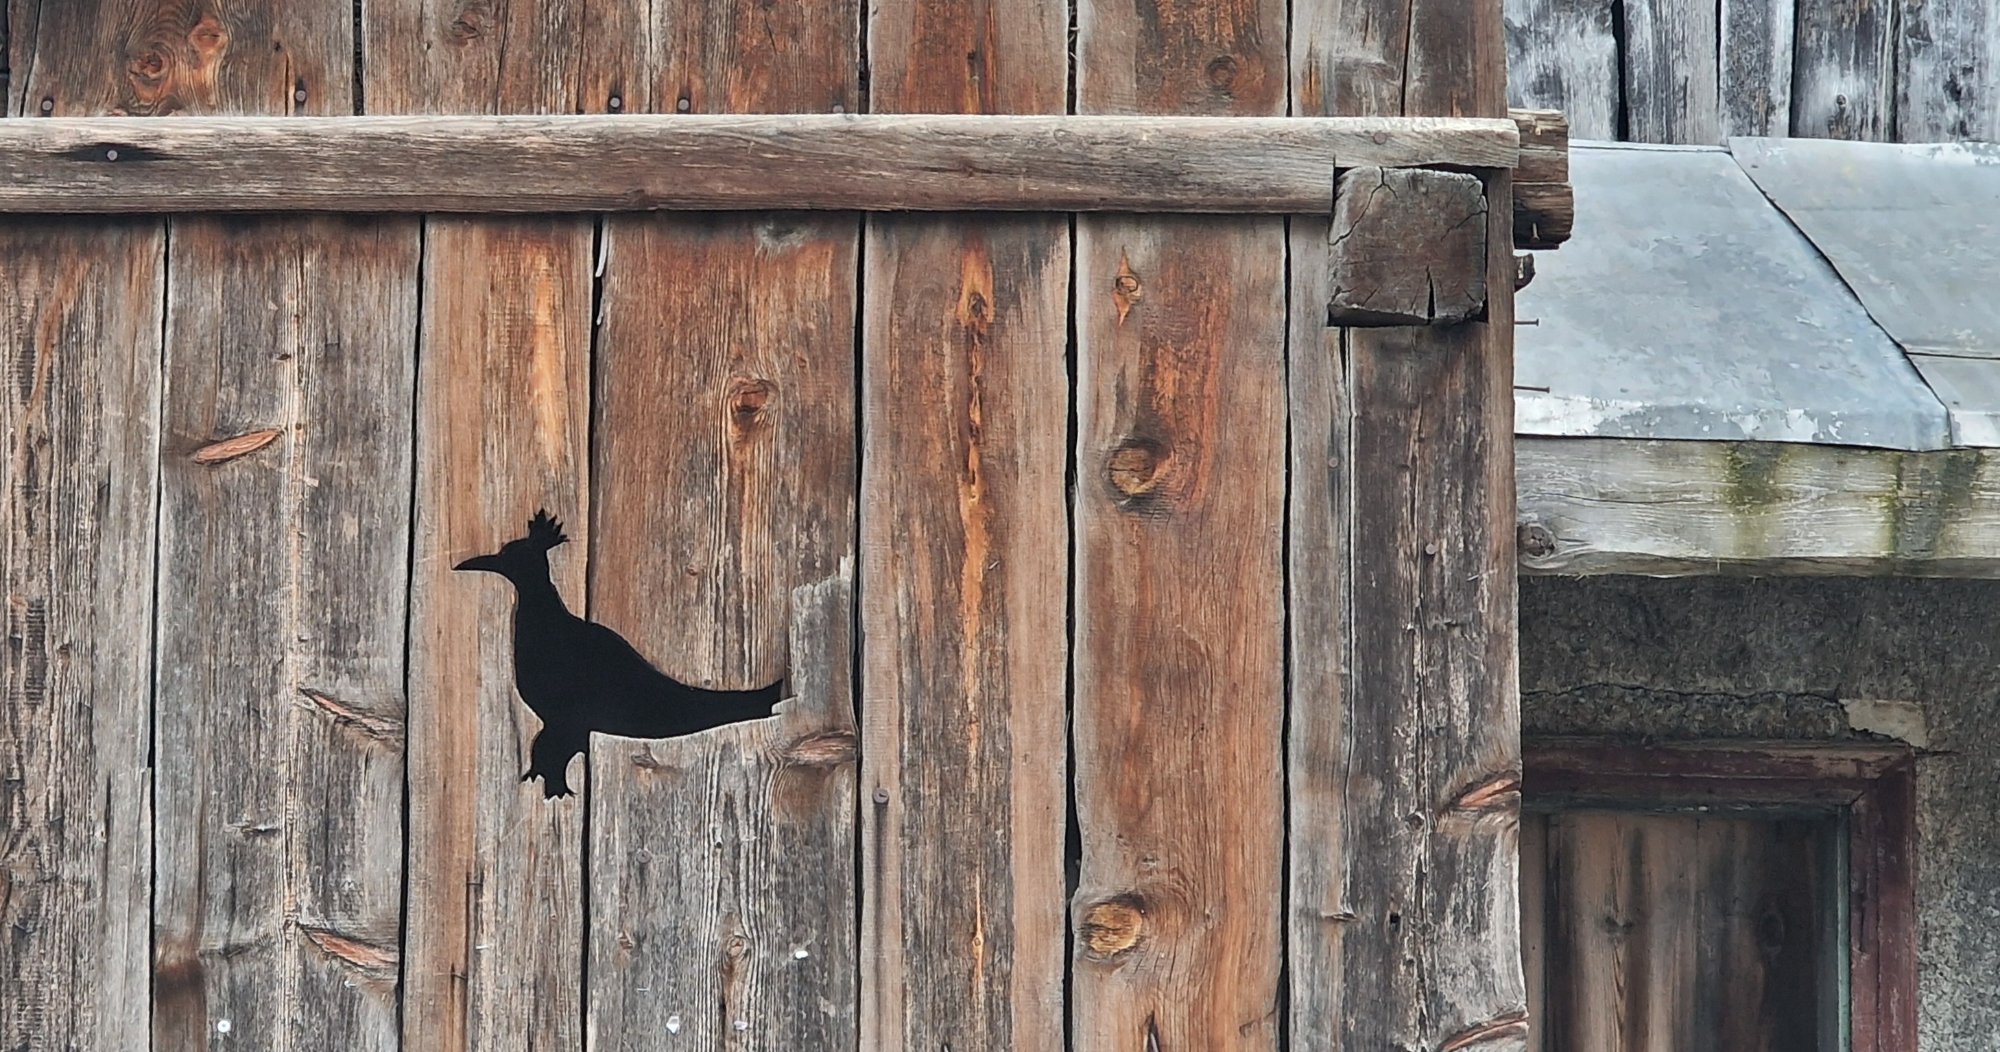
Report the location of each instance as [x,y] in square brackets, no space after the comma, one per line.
[702,709]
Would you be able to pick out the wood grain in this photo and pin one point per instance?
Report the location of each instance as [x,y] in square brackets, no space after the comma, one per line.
[726,476]
[496,883]
[1408,247]
[495,940]
[1181,56]
[722,56]
[1404,734]
[1948,72]
[1563,55]
[79,408]
[967,56]
[1179,690]
[1677,508]
[1756,83]
[489,56]
[1672,66]
[152,58]
[877,162]
[1178,597]
[1673,931]
[965,546]
[1843,82]
[280,683]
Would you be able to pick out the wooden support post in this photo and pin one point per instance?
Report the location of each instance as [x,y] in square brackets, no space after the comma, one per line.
[1408,247]
[1404,730]
[1544,201]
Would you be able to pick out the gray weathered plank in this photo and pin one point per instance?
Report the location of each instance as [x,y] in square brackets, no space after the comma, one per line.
[1843,63]
[1672,64]
[964,542]
[1756,82]
[79,408]
[1408,248]
[722,56]
[1679,508]
[1563,55]
[966,551]
[494,950]
[280,682]
[1404,734]
[1948,72]
[152,58]
[884,162]
[724,477]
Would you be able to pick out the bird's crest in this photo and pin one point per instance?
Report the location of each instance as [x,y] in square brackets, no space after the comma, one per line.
[545,531]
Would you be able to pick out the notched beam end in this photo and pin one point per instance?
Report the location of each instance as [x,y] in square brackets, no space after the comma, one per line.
[1408,247]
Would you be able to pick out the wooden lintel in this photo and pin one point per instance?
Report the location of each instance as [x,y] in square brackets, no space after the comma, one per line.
[881,162]
[1679,508]
[1408,248]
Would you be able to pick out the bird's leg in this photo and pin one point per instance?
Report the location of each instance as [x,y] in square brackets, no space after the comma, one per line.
[549,759]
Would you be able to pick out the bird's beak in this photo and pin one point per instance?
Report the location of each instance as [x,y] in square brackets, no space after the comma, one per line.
[480,562]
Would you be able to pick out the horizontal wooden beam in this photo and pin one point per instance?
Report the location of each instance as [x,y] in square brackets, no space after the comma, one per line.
[645,162]
[1685,508]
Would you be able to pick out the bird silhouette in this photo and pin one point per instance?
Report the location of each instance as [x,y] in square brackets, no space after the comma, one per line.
[579,676]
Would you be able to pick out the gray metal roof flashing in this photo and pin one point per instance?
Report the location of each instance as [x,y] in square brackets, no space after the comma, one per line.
[1711,293]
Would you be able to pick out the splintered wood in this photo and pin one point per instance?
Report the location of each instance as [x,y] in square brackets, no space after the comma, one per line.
[1409,248]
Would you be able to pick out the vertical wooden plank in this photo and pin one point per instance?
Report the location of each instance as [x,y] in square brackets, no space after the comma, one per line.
[964,546]
[284,533]
[1756,42]
[449,56]
[80,308]
[1757,982]
[1534,921]
[1948,71]
[1178,683]
[1843,82]
[1405,730]
[494,951]
[1561,55]
[151,58]
[1179,686]
[1672,62]
[724,451]
[721,56]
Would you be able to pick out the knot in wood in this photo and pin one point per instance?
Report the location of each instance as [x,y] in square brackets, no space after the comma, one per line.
[1535,540]
[1114,926]
[1135,466]
[747,398]
[1222,73]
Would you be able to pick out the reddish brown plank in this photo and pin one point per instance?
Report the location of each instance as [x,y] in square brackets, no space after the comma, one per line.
[1178,593]
[722,56]
[79,408]
[965,552]
[494,949]
[1179,690]
[491,56]
[152,58]
[725,477]
[965,548]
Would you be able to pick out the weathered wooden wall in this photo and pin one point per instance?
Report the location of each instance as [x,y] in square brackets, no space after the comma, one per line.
[973,483]
[1672,71]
